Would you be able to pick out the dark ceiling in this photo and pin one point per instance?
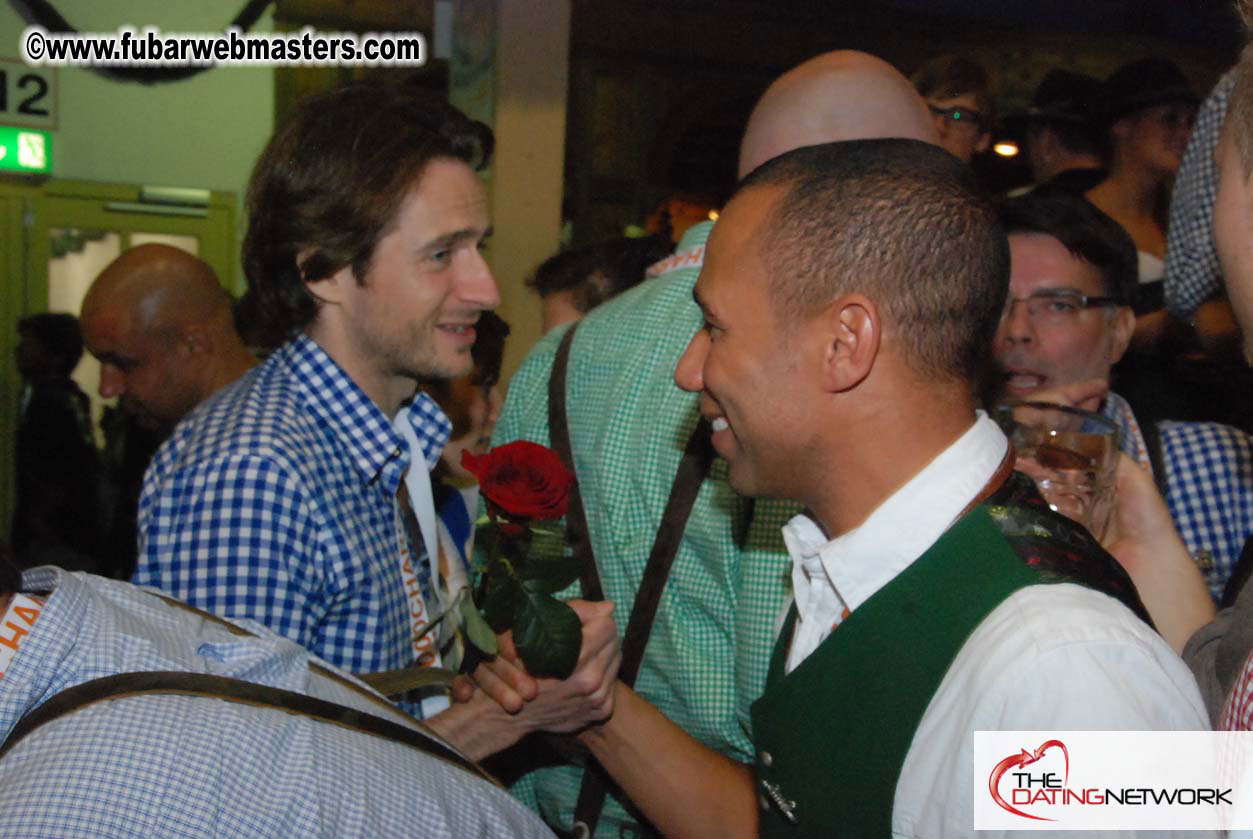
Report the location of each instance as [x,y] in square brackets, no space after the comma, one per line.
[660,91]
[1195,22]
[1211,24]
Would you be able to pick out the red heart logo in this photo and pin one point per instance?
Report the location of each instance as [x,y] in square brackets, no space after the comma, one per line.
[1024,758]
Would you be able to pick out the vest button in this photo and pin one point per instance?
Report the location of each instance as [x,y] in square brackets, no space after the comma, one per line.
[762,801]
[767,759]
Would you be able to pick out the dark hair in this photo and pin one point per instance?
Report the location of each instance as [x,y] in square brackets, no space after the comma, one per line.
[946,76]
[597,272]
[488,353]
[60,336]
[1086,232]
[329,185]
[901,221]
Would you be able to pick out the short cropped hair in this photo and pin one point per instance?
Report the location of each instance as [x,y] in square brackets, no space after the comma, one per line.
[328,187]
[1087,233]
[59,334]
[904,223]
[946,76]
[594,273]
[488,353]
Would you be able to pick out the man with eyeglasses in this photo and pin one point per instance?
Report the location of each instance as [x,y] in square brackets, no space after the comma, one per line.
[958,94]
[1067,320]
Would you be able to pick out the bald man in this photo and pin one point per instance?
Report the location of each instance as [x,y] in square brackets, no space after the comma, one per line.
[710,644]
[162,328]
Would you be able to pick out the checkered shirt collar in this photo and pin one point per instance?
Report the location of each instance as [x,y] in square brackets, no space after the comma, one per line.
[377,448]
[1131,438]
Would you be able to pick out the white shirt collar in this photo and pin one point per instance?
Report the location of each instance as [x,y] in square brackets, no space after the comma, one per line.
[830,576]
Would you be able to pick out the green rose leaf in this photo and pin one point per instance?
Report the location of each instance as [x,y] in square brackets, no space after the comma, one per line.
[547,633]
[477,630]
[503,597]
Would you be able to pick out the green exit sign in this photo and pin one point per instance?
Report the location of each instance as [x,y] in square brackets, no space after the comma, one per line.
[25,150]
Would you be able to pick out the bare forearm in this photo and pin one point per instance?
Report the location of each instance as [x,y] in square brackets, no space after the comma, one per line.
[1143,538]
[1174,593]
[685,788]
[479,727]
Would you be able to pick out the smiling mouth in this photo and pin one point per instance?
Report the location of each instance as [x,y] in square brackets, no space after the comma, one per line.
[462,332]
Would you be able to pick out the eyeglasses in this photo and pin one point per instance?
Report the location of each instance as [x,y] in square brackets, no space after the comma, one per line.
[1056,307]
[960,116]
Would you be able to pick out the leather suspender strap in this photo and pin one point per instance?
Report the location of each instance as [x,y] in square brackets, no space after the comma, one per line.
[232,690]
[559,435]
[693,468]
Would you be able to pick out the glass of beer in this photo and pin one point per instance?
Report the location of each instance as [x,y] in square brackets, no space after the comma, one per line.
[1071,454]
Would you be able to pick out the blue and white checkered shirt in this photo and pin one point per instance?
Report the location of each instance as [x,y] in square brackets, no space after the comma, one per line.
[276,499]
[1209,485]
[1192,271]
[176,767]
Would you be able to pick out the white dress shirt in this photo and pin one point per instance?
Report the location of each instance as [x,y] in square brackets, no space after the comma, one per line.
[831,576]
[1050,657]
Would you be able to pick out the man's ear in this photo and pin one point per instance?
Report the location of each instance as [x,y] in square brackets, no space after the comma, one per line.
[328,289]
[851,328]
[1121,329]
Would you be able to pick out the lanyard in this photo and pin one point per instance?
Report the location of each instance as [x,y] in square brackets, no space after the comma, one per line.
[418,482]
[417,485]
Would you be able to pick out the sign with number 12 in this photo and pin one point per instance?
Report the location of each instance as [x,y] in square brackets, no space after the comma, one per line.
[28,95]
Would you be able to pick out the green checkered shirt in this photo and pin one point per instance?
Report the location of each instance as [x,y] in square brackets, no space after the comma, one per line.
[711,641]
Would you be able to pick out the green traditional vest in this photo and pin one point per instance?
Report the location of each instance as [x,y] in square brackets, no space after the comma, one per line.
[868,684]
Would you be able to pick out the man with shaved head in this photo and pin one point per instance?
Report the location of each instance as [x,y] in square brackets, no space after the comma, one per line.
[707,653]
[842,94]
[162,328]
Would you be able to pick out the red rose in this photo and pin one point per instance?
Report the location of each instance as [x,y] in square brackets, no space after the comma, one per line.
[523,479]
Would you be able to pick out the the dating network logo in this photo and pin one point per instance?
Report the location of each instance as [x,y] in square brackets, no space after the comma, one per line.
[1040,779]
[1112,780]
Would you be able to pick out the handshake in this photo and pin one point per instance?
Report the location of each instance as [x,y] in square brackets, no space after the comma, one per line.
[501,702]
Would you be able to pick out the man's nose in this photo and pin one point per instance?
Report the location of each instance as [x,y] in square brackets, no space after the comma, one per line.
[111,382]
[689,372]
[1016,324]
[478,286]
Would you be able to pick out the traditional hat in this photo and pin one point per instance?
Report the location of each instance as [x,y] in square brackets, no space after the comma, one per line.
[1143,84]
[1064,96]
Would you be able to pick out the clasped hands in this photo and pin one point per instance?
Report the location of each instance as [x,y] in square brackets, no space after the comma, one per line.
[560,706]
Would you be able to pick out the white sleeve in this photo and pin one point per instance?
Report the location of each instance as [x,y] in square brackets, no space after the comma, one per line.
[1052,658]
